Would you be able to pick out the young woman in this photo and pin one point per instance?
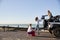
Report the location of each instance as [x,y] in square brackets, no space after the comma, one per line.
[50,16]
[37,24]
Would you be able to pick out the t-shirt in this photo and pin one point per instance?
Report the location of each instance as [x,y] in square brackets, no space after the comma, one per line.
[29,29]
[37,23]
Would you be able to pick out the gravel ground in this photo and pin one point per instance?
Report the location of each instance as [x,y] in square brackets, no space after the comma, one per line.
[22,35]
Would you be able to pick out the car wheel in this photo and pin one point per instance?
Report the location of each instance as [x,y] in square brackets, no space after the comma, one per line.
[56,32]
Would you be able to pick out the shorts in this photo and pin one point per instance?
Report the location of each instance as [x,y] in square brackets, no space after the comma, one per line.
[30,32]
[37,27]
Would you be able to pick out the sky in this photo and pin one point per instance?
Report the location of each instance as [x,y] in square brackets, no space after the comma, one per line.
[25,11]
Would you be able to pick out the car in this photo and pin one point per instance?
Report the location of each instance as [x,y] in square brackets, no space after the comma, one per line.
[53,26]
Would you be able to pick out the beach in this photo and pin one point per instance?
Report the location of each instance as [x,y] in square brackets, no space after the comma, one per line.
[22,35]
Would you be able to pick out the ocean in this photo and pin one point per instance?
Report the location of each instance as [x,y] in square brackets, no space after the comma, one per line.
[21,25]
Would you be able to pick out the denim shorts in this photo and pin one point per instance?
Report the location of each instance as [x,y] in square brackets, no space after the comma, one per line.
[37,27]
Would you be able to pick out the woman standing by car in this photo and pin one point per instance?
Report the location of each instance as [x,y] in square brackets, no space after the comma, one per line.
[37,24]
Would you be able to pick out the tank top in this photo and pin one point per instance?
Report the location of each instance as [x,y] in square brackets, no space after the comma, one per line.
[29,29]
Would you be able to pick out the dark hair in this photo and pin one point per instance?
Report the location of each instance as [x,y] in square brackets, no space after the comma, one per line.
[36,18]
[30,24]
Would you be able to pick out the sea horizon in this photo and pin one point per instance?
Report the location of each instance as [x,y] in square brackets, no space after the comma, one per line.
[20,25]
